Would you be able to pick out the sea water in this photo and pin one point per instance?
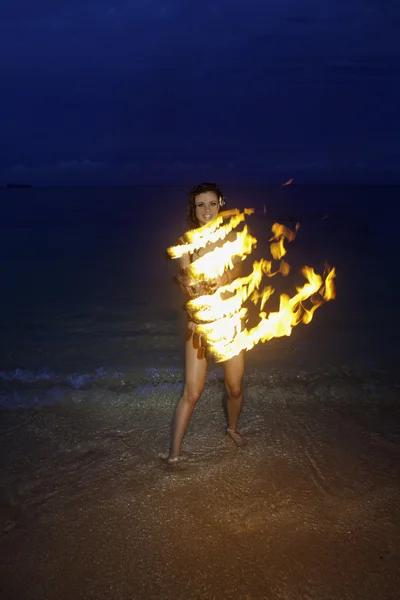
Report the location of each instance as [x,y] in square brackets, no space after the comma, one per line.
[88,297]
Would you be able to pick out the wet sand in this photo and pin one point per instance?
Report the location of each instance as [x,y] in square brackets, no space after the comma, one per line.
[309,508]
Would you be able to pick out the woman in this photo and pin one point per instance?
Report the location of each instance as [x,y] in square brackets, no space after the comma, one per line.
[205,202]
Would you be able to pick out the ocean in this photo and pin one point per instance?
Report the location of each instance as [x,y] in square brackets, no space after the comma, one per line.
[88,297]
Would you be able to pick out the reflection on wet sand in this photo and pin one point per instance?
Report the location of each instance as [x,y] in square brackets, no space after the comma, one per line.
[308,508]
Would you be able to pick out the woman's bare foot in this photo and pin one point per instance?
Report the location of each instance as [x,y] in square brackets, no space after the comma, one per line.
[169,460]
[235,436]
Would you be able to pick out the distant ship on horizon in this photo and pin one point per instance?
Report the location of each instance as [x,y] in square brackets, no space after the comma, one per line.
[13,186]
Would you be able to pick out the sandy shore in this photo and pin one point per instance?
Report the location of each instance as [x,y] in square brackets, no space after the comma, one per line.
[309,508]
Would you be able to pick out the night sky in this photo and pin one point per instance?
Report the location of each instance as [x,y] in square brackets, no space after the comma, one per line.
[175,91]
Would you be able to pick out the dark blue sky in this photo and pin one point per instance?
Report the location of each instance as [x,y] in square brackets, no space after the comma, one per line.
[150,91]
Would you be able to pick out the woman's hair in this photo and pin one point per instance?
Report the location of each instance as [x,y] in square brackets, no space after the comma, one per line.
[200,189]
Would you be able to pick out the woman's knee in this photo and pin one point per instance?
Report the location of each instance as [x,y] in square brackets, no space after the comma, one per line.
[235,390]
[192,395]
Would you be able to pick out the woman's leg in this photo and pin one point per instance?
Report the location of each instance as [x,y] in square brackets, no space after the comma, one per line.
[234,371]
[195,379]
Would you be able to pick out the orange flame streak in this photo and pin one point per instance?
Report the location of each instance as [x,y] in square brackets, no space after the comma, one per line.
[264,296]
[220,316]
[211,232]
[214,306]
[278,324]
[209,308]
[329,292]
[281,232]
[214,263]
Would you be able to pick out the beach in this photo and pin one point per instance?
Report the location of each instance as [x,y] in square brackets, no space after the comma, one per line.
[92,367]
[307,509]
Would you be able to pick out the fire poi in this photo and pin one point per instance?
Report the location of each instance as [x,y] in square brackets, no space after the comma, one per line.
[221,317]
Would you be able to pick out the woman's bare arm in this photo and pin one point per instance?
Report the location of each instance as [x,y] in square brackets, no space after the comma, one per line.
[182,278]
[232,274]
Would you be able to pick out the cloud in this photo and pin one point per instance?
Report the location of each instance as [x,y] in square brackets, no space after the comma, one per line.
[184,166]
[69,168]
[85,165]
[333,20]
[181,166]
[34,12]
[20,169]
[383,65]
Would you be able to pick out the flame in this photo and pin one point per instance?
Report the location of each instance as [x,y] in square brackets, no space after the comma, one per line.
[211,232]
[281,233]
[221,317]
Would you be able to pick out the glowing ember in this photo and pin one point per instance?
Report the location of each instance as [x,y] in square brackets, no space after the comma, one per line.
[221,317]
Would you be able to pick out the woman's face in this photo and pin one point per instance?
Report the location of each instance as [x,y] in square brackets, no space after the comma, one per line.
[207,207]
